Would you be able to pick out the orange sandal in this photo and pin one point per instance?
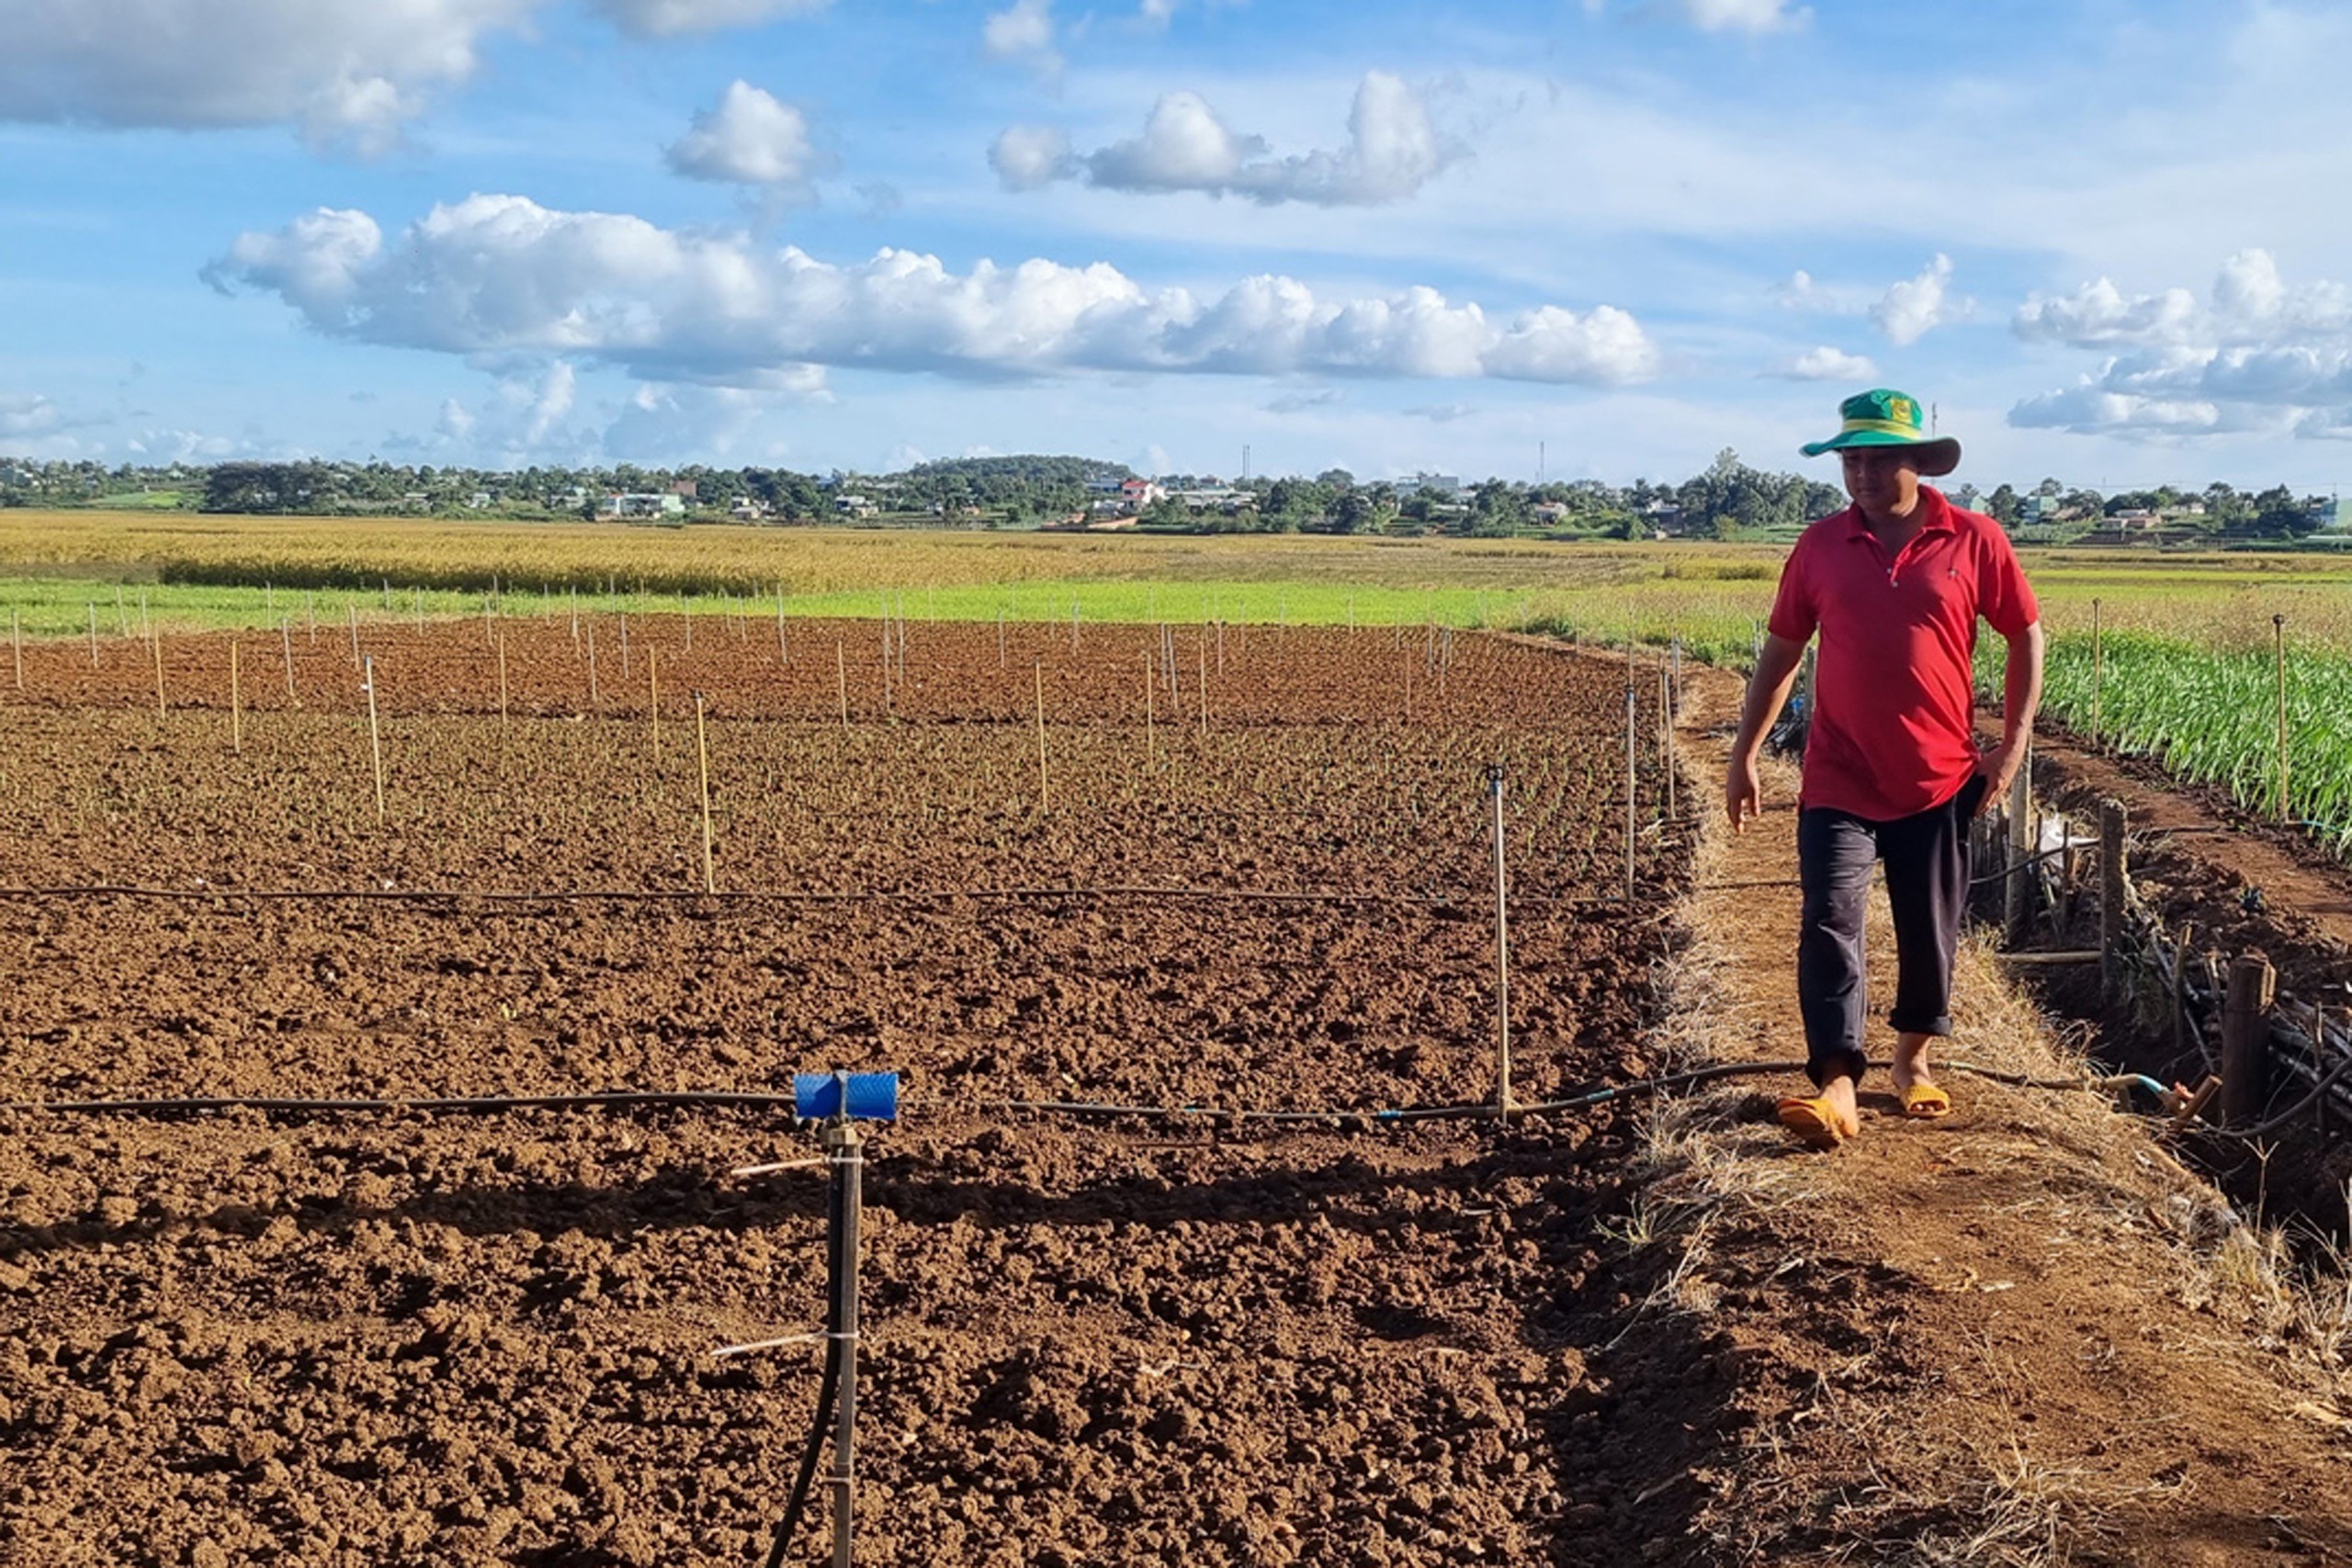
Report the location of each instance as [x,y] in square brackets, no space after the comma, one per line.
[1814,1122]
[1926,1103]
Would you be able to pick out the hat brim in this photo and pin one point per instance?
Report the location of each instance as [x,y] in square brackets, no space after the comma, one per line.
[1937,456]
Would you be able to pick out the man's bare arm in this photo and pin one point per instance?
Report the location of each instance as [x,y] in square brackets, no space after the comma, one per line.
[1768,692]
[2020,700]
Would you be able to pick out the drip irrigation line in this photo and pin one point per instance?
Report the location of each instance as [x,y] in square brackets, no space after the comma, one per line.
[477,1105]
[632,1099]
[909,895]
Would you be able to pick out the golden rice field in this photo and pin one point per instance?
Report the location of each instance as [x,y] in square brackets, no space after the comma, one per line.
[58,568]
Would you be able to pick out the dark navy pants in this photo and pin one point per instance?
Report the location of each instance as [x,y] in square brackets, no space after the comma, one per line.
[1927,891]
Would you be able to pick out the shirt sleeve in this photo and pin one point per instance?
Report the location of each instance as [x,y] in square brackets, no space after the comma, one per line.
[1793,615]
[2003,596]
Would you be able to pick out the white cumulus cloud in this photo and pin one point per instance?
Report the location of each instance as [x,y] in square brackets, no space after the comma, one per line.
[1743,16]
[1828,364]
[671,19]
[2254,353]
[752,138]
[349,73]
[501,275]
[26,415]
[1916,306]
[1029,157]
[1023,33]
[1393,149]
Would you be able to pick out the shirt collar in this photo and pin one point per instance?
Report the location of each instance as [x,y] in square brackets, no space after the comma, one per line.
[1935,515]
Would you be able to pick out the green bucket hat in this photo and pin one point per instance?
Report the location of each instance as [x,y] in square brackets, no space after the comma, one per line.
[1884,417]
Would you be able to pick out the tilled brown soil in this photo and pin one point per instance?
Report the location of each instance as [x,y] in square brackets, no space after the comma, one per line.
[400,1338]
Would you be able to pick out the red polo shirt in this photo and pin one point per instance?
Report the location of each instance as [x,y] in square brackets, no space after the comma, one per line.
[1894,700]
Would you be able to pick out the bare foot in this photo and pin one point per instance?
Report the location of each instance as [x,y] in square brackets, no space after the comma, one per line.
[1915,1085]
[1910,1064]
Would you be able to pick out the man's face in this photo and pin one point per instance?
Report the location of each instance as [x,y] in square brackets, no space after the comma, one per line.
[1883,481]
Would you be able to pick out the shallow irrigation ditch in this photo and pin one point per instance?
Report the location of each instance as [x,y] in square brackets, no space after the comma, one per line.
[1114,866]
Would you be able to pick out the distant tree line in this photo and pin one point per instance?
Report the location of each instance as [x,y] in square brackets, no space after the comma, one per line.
[1730,498]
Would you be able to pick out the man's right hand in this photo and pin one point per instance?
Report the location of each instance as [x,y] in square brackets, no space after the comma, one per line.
[1741,797]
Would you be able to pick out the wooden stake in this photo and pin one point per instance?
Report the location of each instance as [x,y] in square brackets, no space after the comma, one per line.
[502,677]
[286,643]
[94,635]
[375,738]
[2114,884]
[2246,1039]
[357,660]
[782,652]
[1148,698]
[17,637]
[624,645]
[2098,668]
[1205,681]
[841,674]
[1044,799]
[1629,789]
[236,706]
[156,643]
[653,699]
[2278,638]
[2019,846]
[1503,953]
[2179,989]
[595,699]
[702,750]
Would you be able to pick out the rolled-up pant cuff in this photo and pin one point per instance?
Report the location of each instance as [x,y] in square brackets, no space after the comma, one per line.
[1912,1024]
[1826,1064]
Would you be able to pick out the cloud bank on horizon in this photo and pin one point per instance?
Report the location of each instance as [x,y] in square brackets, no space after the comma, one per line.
[1641,230]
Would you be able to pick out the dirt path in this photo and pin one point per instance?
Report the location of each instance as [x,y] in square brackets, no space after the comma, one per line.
[2023,1335]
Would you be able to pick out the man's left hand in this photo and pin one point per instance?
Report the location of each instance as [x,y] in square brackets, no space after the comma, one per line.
[1998,767]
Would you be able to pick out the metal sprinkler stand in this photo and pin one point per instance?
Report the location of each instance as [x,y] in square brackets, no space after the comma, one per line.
[839,1102]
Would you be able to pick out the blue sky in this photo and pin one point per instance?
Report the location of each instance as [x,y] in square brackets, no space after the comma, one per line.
[2102,239]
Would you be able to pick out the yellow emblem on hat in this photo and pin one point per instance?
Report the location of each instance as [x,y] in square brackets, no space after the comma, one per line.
[1901,410]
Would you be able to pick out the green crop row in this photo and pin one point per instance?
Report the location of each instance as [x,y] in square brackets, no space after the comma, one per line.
[2212,716]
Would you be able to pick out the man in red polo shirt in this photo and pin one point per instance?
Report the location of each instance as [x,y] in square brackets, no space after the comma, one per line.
[1894,585]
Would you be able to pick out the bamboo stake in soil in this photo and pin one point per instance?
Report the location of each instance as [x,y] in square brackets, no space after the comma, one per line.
[17,637]
[353,605]
[236,706]
[2279,639]
[374,739]
[782,652]
[94,635]
[1148,696]
[1629,790]
[286,643]
[502,677]
[595,700]
[156,643]
[1205,682]
[2098,668]
[841,674]
[1044,799]
[624,645]
[702,750]
[1503,953]
[653,699]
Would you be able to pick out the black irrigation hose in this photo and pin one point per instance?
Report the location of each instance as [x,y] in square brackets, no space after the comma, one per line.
[2263,1129]
[826,1391]
[476,1105]
[629,1099]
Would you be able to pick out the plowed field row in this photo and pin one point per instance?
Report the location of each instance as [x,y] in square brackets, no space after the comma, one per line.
[413,1340]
